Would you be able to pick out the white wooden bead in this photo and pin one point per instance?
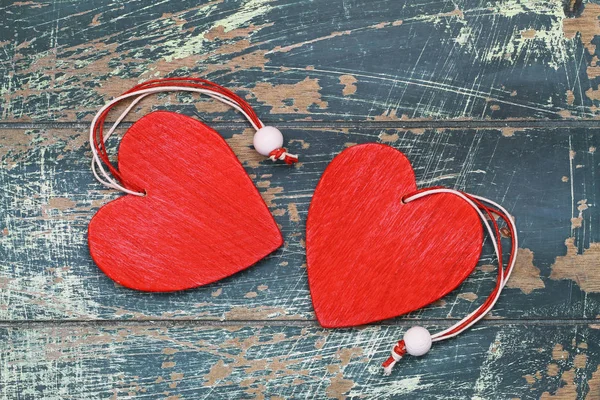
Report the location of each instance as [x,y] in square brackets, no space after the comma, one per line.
[417,341]
[267,139]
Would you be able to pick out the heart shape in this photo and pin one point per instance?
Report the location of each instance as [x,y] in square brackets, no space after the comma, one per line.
[201,220]
[370,256]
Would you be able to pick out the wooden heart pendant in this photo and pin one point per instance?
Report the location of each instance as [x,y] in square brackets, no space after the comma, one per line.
[370,257]
[202,218]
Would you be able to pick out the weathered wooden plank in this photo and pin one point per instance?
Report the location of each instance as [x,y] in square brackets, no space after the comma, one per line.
[546,177]
[352,60]
[240,362]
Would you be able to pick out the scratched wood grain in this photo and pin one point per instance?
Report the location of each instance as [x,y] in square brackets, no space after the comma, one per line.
[496,97]
[545,177]
[278,362]
[351,60]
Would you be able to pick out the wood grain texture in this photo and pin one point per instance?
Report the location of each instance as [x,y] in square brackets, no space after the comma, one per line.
[241,362]
[484,96]
[371,257]
[201,219]
[354,60]
[545,177]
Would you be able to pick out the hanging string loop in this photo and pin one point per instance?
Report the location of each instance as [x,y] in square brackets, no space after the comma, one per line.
[268,141]
[417,340]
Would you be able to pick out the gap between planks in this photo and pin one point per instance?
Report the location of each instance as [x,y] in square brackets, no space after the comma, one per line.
[423,124]
[108,323]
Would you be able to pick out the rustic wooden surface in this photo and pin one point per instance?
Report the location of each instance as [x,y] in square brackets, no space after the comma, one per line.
[496,97]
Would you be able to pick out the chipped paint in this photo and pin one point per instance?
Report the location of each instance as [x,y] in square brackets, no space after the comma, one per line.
[577,222]
[338,386]
[258,313]
[553,369]
[241,144]
[293,212]
[250,10]
[266,361]
[217,372]
[270,195]
[570,97]
[302,95]
[583,268]
[469,296]
[532,42]
[510,132]
[385,137]
[349,83]
[234,41]
[525,276]
[594,386]
[61,203]
[567,391]
[221,32]
[58,77]
[559,353]
[586,25]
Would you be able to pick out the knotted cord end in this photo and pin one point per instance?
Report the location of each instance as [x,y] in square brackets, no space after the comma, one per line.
[282,155]
[398,352]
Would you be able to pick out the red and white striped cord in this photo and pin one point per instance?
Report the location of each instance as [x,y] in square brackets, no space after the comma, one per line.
[113,179]
[419,341]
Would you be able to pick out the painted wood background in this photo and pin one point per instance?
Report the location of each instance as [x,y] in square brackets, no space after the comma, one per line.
[497,97]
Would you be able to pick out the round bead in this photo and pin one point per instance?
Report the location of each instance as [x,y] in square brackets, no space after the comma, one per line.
[417,341]
[267,139]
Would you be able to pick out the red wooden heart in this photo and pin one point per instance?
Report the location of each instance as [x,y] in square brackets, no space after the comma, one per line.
[370,257]
[201,220]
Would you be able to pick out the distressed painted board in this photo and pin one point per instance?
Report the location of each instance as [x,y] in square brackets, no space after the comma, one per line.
[352,60]
[505,361]
[496,97]
[546,177]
